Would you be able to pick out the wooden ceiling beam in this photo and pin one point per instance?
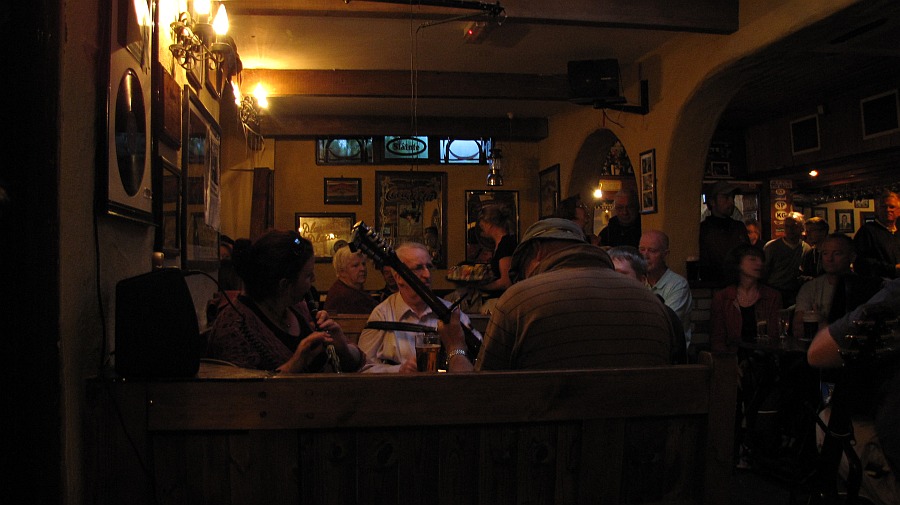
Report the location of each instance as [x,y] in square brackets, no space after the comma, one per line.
[700,16]
[396,84]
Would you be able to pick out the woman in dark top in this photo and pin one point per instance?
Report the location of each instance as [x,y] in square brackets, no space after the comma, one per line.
[269,327]
[493,221]
[744,303]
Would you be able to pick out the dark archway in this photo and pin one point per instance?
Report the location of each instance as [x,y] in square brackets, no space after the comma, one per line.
[592,164]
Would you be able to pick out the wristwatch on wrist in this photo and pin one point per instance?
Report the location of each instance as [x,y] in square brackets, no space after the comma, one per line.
[455,352]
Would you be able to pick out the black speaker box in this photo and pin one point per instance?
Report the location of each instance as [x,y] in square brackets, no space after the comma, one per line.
[157,334]
[593,82]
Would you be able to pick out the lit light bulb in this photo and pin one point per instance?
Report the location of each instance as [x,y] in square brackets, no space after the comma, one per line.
[260,93]
[220,23]
[237,92]
[813,173]
[598,193]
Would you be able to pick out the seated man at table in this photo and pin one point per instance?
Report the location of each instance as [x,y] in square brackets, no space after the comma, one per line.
[395,350]
[629,261]
[817,296]
[672,288]
[347,295]
[568,309]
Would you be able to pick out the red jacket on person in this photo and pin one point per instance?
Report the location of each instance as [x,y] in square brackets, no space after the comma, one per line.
[725,317]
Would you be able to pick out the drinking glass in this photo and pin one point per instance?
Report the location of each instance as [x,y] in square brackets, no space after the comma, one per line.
[762,331]
[428,345]
[810,324]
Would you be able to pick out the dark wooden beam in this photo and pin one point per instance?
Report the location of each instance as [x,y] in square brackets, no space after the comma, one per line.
[700,16]
[396,84]
[517,129]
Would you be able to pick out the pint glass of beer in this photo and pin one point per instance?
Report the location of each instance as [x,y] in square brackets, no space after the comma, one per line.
[810,324]
[428,345]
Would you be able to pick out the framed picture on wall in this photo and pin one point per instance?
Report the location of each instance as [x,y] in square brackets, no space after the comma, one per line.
[548,193]
[843,221]
[479,249]
[820,212]
[866,217]
[860,204]
[719,170]
[414,205]
[325,231]
[648,182]
[343,191]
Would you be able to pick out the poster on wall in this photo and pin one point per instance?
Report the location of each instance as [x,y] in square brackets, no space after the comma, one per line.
[780,196]
[411,206]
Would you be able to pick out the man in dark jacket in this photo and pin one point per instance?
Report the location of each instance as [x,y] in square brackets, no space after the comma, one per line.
[719,232]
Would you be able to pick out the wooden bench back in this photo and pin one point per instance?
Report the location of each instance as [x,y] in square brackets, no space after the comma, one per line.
[659,435]
[352,324]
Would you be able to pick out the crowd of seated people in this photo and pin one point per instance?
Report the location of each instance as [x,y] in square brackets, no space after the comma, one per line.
[560,300]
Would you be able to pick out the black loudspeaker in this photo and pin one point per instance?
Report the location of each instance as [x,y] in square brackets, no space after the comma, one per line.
[157,334]
[594,82]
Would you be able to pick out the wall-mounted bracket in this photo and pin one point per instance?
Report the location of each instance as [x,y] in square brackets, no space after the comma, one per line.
[642,109]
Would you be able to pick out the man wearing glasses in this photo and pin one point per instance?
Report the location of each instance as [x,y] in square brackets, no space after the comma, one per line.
[395,350]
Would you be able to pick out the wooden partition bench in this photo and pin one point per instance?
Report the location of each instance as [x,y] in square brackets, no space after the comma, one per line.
[352,324]
[235,436]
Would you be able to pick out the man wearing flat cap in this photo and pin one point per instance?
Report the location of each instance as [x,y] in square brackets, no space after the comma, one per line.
[568,309]
[719,232]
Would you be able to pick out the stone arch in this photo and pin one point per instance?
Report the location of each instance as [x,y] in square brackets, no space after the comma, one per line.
[587,168]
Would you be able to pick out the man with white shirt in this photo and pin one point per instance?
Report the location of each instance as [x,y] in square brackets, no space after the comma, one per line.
[395,350]
[671,287]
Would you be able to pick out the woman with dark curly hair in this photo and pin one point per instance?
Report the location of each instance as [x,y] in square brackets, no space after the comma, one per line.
[268,327]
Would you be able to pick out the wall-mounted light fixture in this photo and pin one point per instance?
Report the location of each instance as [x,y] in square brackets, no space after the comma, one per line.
[248,111]
[196,41]
[598,193]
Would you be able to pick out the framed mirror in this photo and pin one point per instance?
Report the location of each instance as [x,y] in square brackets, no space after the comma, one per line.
[200,162]
[170,208]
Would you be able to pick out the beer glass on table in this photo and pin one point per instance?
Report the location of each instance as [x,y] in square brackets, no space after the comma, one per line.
[428,346]
[810,325]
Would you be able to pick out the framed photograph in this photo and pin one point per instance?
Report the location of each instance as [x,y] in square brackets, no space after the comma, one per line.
[843,221]
[718,169]
[648,182]
[414,205]
[170,205]
[866,217]
[805,134]
[343,191]
[124,172]
[135,25]
[820,212]
[880,114]
[548,193]
[200,173]
[325,230]
[168,123]
[860,204]
[479,249]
